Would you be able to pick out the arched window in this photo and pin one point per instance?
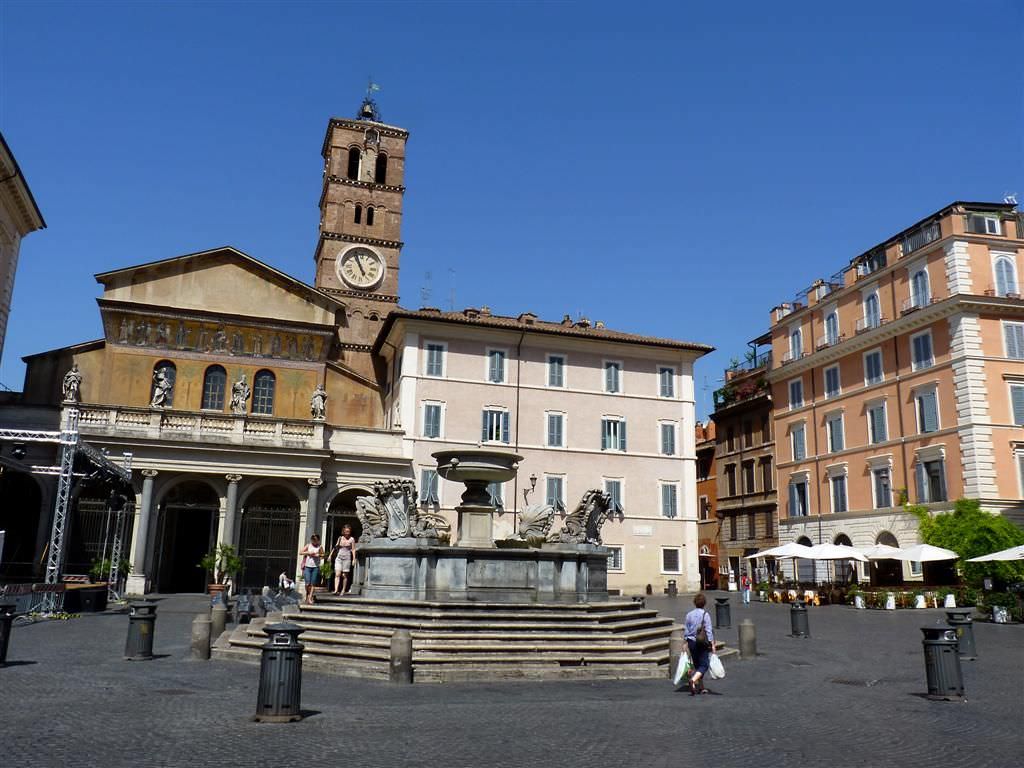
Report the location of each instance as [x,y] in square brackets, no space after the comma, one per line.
[886,538]
[354,156]
[263,393]
[1006,276]
[359,214]
[164,376]
[872,313]
[369,216]
[380,172]
[832,328]
[214,385]
[919,293]
[796,344]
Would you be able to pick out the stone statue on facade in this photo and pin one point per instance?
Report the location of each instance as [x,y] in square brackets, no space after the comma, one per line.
[162,388]
[583,524]
[240,394]
[318,403]
[392,513]
[72,383]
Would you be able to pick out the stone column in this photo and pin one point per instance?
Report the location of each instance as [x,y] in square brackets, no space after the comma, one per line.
[137,579]
[227,534]
[313,507]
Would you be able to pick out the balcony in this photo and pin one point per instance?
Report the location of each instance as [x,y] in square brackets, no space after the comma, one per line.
[737,391]
[920,237]
[915,303]
[792,356]
[1010,290]
[825,342]
[751,363]
[868,323]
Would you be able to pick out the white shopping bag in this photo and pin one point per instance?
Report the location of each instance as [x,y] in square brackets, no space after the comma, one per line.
[682,668]
[715,667]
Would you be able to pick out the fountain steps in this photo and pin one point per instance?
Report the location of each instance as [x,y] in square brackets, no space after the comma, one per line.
[473,641]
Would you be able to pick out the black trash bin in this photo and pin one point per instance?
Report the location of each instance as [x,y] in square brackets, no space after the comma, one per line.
[7,615]
[960,620]
[672,590]
[280,686]
[141,623]
[942,663]
[799,626]
[723,613]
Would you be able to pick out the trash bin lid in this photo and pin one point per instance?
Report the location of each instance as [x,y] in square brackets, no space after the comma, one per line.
[142,608]
[284,628]
[939,632]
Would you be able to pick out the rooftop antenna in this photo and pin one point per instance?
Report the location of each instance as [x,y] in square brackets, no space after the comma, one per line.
[1010,197]
[426,291]
[451,291]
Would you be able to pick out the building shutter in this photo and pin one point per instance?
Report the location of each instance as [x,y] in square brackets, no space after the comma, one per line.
[798,444]
[1017,400]
[483,426]
[504,427]
[622,435]
[1015,341]
[929,413]
[792,500]
[878,432]
[922,483]
[604,434]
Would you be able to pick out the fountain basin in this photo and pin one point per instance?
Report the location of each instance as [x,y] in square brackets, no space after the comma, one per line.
[476,468]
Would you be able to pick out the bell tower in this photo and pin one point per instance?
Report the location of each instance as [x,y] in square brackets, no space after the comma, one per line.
[360,242]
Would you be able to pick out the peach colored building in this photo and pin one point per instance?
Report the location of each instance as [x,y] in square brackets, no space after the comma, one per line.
[587,407]
[901,377]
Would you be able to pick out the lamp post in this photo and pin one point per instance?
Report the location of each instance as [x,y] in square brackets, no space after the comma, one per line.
[531,489]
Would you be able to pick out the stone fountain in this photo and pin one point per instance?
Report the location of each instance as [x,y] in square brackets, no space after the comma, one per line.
[403,551]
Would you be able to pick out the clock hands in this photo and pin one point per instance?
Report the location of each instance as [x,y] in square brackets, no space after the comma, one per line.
[359,262]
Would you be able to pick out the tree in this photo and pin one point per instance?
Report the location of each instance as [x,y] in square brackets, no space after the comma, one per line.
[971,532]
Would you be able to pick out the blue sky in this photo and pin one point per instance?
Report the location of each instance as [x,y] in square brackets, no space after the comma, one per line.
[671,169]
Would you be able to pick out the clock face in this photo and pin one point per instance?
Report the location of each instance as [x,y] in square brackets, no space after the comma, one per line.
[361,268]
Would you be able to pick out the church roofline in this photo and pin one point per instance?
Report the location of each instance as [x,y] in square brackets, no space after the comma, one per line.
[84,346]
[103,277]
[22,193]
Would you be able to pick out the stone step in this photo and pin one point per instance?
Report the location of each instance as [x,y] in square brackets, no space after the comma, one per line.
[476,605]
[505,612]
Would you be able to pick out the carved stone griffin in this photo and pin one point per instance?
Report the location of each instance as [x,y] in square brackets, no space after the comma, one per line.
[583,524]
[391,513]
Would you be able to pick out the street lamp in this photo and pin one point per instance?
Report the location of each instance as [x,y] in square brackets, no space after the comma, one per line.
[528,491]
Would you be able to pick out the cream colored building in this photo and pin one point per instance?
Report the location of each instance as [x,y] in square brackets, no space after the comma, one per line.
[19,215]
[587,407]
[902,378]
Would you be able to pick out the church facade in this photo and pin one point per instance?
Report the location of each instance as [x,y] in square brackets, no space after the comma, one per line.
[257,408]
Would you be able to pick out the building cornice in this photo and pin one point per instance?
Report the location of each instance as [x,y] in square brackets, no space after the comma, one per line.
[15,188]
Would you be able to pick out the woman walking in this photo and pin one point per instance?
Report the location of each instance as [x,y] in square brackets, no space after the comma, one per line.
[345,556]
[311,555]
[700,639]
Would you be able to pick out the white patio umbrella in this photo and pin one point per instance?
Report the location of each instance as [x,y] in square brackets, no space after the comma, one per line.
[1013,553]
[792,549]
[881,552]
[925,553]
[835,552]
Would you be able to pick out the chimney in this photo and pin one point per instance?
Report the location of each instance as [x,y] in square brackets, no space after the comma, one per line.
[471,312]
[599,324]
[583,322]
[527,318]
[485,311]
[566,320]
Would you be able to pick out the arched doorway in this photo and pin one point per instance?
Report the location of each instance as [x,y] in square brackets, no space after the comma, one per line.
[844,571]
[886,573]
[19,518]
[186,530]
[269,539]
[804,567]
[342,512]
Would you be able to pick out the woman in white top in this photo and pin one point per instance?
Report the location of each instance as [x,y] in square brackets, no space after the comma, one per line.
[346,556]
[311,555]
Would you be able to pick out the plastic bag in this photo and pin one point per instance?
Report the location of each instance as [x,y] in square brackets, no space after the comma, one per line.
[715,667]
[682,668]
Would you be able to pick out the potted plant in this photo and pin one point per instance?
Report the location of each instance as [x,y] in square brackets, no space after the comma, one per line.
[762,591]
[222,563]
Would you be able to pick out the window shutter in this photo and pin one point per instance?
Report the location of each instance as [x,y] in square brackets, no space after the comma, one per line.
[929,413]
[622,435]
[504,427]
[608,378]
[604,434]
[878,432]
[675,500]
[798,445]
[942,481]
[483,427]
[493,373]
[551,429]
[922,483]
[792,500]
[1015,341]
[1017,399]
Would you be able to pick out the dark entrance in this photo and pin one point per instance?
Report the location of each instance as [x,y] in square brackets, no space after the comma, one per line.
[94,525]
[20,503]
[187,530]
[342,512]
[886,573]
[269,538]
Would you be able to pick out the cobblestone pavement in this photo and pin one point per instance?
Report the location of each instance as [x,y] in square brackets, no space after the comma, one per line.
[848,696]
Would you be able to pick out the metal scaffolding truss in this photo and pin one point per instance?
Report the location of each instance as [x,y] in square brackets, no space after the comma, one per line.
[70,446]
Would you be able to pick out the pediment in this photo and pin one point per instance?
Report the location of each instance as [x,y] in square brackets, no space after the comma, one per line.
[223,281]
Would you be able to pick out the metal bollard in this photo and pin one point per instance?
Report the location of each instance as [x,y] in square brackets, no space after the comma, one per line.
[676,644]
[799,626]
[218,621]
[960,620]
[942,663]
[201,637]
[401,656]
[141,624]
[723,613]
[748,640]
[6,622]
[280,688]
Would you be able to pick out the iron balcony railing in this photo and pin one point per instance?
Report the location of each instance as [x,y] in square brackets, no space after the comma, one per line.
[753,363]
[825,342]
[867,323]
[917,302]
[1011,290]
[920,237]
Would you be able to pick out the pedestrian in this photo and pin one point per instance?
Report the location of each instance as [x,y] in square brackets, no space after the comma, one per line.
[345,556]
[745,585]
[700,639]
[311,555]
